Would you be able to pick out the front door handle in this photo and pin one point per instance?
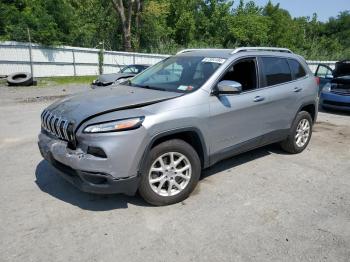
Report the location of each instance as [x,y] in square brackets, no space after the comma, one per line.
[259,99]
[297,89]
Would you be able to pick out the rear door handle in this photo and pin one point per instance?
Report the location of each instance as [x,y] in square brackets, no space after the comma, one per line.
[259,99]
[297,89]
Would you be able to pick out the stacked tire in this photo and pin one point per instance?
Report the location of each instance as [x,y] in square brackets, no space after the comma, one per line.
[20,79]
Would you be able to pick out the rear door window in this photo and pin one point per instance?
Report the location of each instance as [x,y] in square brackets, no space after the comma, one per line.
[297,69]
[275,71]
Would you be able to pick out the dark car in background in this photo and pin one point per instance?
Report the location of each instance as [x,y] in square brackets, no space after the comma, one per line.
[115,78]
[335,85]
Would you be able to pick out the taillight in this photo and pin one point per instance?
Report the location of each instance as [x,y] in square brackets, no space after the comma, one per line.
[317,79]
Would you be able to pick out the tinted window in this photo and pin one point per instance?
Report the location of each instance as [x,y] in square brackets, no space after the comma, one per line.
[276,70]
[297,69]
[130,69]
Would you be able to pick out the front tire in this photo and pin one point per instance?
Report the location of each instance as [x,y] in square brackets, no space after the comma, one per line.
[299,134]
[170,174]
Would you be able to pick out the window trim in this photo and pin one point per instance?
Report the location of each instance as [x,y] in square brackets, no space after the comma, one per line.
[290,67]
[239,59]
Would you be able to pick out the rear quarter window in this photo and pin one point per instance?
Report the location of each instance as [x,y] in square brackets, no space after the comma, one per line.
[275,71]
[297,69]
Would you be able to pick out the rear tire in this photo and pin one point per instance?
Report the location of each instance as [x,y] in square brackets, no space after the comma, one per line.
[171,172]
[299,134]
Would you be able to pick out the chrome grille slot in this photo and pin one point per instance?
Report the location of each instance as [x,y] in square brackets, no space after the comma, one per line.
[52,124]
[44,119]
[48,119]
[65,127]
[61,128]
[56,125]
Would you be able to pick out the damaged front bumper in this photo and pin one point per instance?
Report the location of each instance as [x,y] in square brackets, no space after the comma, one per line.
[87,172]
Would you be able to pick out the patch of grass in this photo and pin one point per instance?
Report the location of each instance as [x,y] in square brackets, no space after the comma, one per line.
[3,81]
[65,80]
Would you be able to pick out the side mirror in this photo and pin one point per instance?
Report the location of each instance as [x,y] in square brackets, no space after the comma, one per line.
[228,88]
[329,76]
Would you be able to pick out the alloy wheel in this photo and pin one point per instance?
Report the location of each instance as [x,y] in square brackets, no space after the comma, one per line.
[302,133]
[170,174]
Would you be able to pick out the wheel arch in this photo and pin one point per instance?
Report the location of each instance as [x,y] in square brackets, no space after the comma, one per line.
[191,135]
[311,109]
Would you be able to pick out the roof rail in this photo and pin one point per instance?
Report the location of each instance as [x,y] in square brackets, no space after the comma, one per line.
[271,49]
[187,50]
[201,49]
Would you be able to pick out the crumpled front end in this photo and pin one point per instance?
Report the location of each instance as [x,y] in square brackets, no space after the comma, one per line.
[98,162]
[104,164]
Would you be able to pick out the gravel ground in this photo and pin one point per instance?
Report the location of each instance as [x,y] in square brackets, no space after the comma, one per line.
[264,205]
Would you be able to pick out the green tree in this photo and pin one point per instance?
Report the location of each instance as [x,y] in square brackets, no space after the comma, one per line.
[248,27]
[129,14]
[281,29]
[49,21]
[166,26]
[155,34]
[95,21]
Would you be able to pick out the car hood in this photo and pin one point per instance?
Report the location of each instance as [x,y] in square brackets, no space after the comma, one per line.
[342,68]
[110,78]
[80,107]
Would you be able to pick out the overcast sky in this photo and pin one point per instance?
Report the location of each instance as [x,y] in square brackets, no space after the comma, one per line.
[323,8]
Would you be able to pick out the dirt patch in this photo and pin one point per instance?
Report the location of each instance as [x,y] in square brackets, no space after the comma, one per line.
[323,123]
[339,132]
[344,134]
[33,94]
[324,126]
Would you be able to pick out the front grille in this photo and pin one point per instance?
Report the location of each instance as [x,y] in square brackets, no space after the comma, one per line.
[334,103]
[56,125]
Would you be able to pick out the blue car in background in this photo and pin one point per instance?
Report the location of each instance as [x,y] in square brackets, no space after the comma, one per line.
[335,85]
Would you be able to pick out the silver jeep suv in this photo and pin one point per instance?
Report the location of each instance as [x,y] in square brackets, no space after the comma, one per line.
[157,131]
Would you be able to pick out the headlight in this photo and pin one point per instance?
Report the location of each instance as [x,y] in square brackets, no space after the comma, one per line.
[327,87]
[114,126]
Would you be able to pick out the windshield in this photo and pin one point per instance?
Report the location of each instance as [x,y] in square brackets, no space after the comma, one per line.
[130,69]
[178,73]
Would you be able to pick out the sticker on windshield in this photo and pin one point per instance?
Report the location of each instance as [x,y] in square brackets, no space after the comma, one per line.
[185,88]
[213,60]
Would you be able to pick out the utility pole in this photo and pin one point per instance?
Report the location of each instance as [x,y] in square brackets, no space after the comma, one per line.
[101,57]
[74,64]
[30,53]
